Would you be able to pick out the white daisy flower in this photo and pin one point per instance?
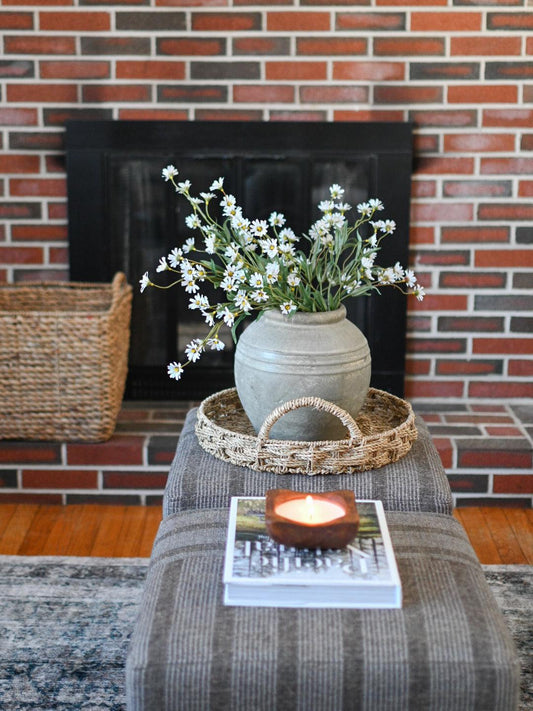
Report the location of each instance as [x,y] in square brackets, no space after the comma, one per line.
[287,235]
[269,247]
[352,285]
[183,187]
[194,350]
[189,245]
[229,284]
[232,252]
[169,172]
[256,280]
[336,191]
[343,207]
[198,302]
[375,204]
[175,370]
[260,295]
[239,222]
[367,262]
[228,317]
[336,219]
[241,300]
[187,269]
[287,307]
[162,266]
[249,244]
[190,286]
[276,219]
[398,271]
[217,184]
[272,272]
[193,221]
[233,271]
[387,276]
[419,292]
[228,201]
[259,228]
[364,209]
[293,279]
[410,278]
[287,249]
[209,244]
[388,227]
[326,205]
[216,344]
[201,274]
[207,197]
[144,281]
[319,228]
[175,257]
[234,212]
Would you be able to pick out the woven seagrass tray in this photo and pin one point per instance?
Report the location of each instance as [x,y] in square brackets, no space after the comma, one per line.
[383,431]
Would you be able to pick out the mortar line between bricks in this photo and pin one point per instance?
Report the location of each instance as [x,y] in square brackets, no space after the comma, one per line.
[492,471]
[87,467]
[68,492]
[490,497]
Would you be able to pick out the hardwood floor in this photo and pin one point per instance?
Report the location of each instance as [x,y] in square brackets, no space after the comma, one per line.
[79,530]
[498,535]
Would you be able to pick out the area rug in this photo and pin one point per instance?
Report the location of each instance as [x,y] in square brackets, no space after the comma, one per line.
[65,625]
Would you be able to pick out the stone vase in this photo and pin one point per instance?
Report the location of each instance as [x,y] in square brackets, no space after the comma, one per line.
[280,358]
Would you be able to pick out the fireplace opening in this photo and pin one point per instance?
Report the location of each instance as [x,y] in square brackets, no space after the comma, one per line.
[123,216]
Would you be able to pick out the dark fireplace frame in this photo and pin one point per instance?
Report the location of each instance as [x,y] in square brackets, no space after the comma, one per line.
[100,244]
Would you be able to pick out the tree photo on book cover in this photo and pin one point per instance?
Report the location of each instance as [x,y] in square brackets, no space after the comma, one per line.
[256,554]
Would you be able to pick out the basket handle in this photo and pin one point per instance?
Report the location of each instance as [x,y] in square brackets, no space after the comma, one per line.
[319,404]
[118,286]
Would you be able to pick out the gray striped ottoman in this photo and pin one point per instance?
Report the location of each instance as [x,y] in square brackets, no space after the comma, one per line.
[197,480]
[447,649]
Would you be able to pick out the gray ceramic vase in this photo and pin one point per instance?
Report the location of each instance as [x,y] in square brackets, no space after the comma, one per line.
[280,358]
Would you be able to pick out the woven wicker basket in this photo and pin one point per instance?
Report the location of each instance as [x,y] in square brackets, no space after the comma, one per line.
[383,431]
[63,359]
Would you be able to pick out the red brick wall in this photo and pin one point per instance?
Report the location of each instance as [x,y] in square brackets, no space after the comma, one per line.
[463,72]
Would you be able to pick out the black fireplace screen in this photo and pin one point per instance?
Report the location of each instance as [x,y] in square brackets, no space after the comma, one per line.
[123,216]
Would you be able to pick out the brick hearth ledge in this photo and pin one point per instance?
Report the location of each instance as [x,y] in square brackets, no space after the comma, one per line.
[486,450]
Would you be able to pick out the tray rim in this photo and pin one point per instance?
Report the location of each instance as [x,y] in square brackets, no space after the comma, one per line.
[372,392]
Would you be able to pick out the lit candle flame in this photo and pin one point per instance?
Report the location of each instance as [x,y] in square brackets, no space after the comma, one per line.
[310,507]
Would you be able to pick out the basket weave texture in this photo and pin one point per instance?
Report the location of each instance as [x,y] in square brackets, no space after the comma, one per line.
[63,359]
[383,431]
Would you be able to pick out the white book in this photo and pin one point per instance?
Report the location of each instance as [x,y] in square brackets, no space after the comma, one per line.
[261,573]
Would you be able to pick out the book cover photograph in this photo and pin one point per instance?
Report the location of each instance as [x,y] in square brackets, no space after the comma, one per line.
[260,572]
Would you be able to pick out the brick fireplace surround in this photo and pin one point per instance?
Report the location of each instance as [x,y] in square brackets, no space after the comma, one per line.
[461,70]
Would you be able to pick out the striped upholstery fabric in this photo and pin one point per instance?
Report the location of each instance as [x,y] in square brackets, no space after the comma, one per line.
[197,480]
[447,649]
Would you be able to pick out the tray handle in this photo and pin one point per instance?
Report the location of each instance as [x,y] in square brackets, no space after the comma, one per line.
[319,404]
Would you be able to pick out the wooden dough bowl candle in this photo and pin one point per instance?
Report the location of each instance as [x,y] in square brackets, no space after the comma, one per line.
[300,520]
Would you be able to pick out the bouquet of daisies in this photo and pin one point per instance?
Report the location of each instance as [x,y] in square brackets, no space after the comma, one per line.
[262,264]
